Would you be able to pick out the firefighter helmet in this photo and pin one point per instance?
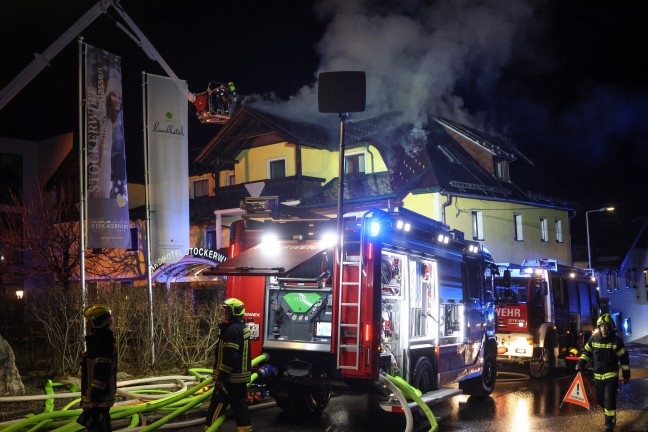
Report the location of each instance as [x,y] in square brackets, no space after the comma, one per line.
[99,315]
[605,319]
[235,305]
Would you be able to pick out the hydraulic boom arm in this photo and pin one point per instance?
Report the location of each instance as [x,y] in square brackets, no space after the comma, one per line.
[42,60]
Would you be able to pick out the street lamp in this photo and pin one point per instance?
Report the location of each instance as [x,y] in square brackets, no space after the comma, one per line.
[589,254]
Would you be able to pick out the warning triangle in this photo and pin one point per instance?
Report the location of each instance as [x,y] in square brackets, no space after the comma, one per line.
[576,393]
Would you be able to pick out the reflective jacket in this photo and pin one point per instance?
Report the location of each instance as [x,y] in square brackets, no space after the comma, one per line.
[604,355]
[99,370]
[233,363]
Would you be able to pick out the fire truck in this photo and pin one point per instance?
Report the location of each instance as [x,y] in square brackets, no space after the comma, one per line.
[398,294]
[545,313]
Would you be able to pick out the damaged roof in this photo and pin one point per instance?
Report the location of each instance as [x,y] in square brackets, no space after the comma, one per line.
[443,156]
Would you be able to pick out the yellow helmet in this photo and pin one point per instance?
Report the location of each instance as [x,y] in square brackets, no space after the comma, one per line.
[605,319]
[99,314]
[235,305]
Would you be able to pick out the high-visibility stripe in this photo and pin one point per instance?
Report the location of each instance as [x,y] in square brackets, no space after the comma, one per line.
[606,375]
[610,413]
[603,345]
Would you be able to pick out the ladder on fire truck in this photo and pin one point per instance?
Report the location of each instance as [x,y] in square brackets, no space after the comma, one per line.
[349,306]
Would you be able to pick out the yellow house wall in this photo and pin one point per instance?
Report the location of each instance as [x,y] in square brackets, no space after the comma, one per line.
[319,163]
[499,228]
[253,163]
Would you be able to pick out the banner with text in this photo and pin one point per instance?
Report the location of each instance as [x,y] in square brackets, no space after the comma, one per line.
[168,165]
[107,193]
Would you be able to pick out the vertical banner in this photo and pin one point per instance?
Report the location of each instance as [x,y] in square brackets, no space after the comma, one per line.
[168,168]
[107,194]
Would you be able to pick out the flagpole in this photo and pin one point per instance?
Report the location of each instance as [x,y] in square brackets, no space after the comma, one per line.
[147,217]
[82,140]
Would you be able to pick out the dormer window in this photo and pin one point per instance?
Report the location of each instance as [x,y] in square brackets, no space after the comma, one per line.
[502,170]
[354,164]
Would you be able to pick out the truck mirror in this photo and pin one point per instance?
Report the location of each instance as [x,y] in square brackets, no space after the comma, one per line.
[507,278]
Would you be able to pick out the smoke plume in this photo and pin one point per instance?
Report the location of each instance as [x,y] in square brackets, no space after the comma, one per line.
[415,54]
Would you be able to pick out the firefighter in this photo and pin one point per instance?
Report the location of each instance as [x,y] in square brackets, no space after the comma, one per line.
[98,370]
[232,367]
[606,350]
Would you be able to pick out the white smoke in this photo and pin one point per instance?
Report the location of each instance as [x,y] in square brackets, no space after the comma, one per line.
[414,54]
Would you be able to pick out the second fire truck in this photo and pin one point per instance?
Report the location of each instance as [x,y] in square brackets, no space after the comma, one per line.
[545,313]
[408,298]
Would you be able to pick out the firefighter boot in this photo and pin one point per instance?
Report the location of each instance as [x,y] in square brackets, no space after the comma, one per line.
[610,423]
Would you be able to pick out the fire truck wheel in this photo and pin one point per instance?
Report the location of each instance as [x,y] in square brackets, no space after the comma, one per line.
[489,375]
[305,401]
[423,376]
[542,362]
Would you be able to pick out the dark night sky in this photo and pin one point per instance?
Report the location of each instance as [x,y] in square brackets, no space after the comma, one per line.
[565,81]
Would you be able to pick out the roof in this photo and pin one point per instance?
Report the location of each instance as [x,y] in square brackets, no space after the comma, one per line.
[444,157]
[251,127]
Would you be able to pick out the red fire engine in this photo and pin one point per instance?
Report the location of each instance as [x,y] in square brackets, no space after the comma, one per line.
[545,313]
[409,298]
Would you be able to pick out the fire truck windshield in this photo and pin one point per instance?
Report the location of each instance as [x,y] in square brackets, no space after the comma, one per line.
[517,292]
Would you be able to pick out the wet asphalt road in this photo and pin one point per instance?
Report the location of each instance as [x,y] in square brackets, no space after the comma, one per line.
[519,404]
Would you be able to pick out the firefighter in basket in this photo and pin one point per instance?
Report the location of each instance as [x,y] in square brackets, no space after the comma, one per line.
[232,367]
[98,370]
[605,351]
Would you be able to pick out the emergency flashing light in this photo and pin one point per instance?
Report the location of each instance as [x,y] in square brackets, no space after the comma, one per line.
[374,228]
[572,275]
[407,227]
[399,224]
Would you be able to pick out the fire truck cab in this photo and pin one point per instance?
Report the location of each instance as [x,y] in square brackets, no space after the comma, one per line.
[401,294]
[545,313]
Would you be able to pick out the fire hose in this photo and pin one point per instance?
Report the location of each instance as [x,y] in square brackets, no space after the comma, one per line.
[178,403]
[403,391]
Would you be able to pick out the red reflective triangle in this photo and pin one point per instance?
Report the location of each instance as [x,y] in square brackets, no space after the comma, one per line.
[576,393]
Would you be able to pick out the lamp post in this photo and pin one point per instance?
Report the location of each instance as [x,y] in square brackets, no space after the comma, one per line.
[589,254]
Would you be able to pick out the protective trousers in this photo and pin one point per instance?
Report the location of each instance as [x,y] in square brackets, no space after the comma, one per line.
[606,395]
[234,395]
[96,419]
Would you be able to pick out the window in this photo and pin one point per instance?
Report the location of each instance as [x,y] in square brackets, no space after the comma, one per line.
[517,220]
[502,169]
[631,280]
[559,233]
[201,188]
[11,175]
[277,168]
[210,239]
[354,164]
[544,230]
[477,225]
[627,326]
[230,179]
